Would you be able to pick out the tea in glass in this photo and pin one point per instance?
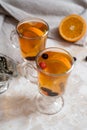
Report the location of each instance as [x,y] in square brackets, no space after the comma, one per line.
[52,76]
[53,67]
[32,35]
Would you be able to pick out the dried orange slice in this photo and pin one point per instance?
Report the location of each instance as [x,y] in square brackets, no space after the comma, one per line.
[72,28]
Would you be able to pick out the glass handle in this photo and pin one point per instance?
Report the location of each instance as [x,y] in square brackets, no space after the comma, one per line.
[29,71]
[14,39]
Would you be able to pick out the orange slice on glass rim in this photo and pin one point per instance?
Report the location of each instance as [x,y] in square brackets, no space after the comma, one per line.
[72,28]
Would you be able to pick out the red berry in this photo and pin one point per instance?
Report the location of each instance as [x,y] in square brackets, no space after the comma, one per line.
[42,65]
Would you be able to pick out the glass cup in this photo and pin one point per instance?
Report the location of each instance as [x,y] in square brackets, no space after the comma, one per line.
[8,70]
[30,36]
[53,67]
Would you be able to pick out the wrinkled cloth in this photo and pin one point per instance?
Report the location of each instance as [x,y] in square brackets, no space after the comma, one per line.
[12,11]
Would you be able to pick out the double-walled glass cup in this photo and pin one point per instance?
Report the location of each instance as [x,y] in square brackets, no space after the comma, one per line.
[32,35]
[8,70]
[53,66]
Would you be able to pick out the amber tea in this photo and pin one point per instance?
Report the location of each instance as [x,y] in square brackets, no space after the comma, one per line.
[54,67]
[32,37]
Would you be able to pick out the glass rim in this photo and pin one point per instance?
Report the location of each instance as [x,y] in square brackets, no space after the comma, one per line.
[51,74]
[32,19]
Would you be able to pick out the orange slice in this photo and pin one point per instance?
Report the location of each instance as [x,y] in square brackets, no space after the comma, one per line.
[36,30]
[72,28]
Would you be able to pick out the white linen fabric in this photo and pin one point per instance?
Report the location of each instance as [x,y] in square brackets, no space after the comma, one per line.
[12,11]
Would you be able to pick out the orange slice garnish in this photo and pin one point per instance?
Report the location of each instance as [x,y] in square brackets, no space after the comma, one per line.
[72,28]
[36,31]
[29,31]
